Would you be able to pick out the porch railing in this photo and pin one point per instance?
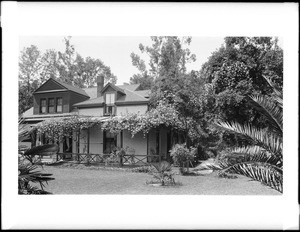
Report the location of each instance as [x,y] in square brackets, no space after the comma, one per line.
[108,159]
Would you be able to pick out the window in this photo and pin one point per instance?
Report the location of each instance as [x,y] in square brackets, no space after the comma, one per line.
[51,108]
[110,110]
[110,98]
[109,104]
[43,106]
[59,105]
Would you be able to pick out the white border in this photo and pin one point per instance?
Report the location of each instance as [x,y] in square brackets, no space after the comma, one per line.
[132,212]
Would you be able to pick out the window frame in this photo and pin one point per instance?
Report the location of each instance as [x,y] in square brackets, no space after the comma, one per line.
[49,99]
[41,105]
[112,105]
[111,94]
[56,105]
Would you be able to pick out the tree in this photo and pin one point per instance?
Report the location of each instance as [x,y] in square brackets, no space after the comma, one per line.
[235,71]
[29,74]
[75,70]
[262,159]
[168,57]
[50,65]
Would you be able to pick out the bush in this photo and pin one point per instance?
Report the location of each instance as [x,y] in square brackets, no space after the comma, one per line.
[182,155]
[162,174]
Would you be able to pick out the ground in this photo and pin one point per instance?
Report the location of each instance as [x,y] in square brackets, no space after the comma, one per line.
[111,181]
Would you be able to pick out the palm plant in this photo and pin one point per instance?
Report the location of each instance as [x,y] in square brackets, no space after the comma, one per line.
[28,168]
[262,160]
[161,172]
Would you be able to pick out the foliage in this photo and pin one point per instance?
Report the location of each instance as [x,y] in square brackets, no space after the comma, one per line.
[145,81]
[262,159]
[162,173]
[28,175]
[29,78]
[234,72]
[28,169]
[182,155]
[135,123]
[168,56]
[56,129]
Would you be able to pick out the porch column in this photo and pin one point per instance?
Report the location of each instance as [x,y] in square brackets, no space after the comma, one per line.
[88,140]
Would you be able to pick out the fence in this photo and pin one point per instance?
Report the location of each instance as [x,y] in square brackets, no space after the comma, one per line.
[109,159]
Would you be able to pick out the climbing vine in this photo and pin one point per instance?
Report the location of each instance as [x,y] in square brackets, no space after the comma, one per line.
[56,129]
[163,114]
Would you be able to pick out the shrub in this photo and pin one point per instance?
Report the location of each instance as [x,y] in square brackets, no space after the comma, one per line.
[162,174]
[182,155]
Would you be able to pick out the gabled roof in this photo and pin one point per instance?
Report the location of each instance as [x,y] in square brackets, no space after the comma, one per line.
[65,86]
[92,91]
[91,102]
[129,97]
[116,88]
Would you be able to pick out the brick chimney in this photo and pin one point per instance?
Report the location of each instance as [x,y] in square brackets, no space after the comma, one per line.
[100,84]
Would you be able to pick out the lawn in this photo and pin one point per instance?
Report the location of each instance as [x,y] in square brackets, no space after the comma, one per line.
[102,181]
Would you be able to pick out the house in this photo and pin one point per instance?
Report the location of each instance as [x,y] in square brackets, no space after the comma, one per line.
[55,99]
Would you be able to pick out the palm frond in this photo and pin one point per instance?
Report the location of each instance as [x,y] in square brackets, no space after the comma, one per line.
[248,150]
[266,172]
[260,137]
[270,109]
[277,92]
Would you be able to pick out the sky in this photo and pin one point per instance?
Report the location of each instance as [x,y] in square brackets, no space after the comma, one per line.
[115,51]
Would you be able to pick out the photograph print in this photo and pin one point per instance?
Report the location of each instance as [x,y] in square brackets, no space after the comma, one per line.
[150,115]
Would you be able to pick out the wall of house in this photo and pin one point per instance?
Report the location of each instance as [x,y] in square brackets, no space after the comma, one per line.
[83,141]
[123,110]
[138,142]
[96,140]
[96,111]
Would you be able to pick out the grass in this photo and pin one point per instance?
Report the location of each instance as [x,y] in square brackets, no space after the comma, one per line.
[101,180]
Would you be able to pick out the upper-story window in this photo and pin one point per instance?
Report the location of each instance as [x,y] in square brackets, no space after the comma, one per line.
[110,103]
[110,99]
[59,105]
[43,106]
[51,105]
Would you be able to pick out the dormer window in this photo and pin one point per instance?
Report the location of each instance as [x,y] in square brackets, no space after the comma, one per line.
[51,108]
[110,99]
[109,104]
[43,106]
[59,105]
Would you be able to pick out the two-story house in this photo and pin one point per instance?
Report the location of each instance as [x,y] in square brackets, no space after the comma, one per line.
[55,99]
